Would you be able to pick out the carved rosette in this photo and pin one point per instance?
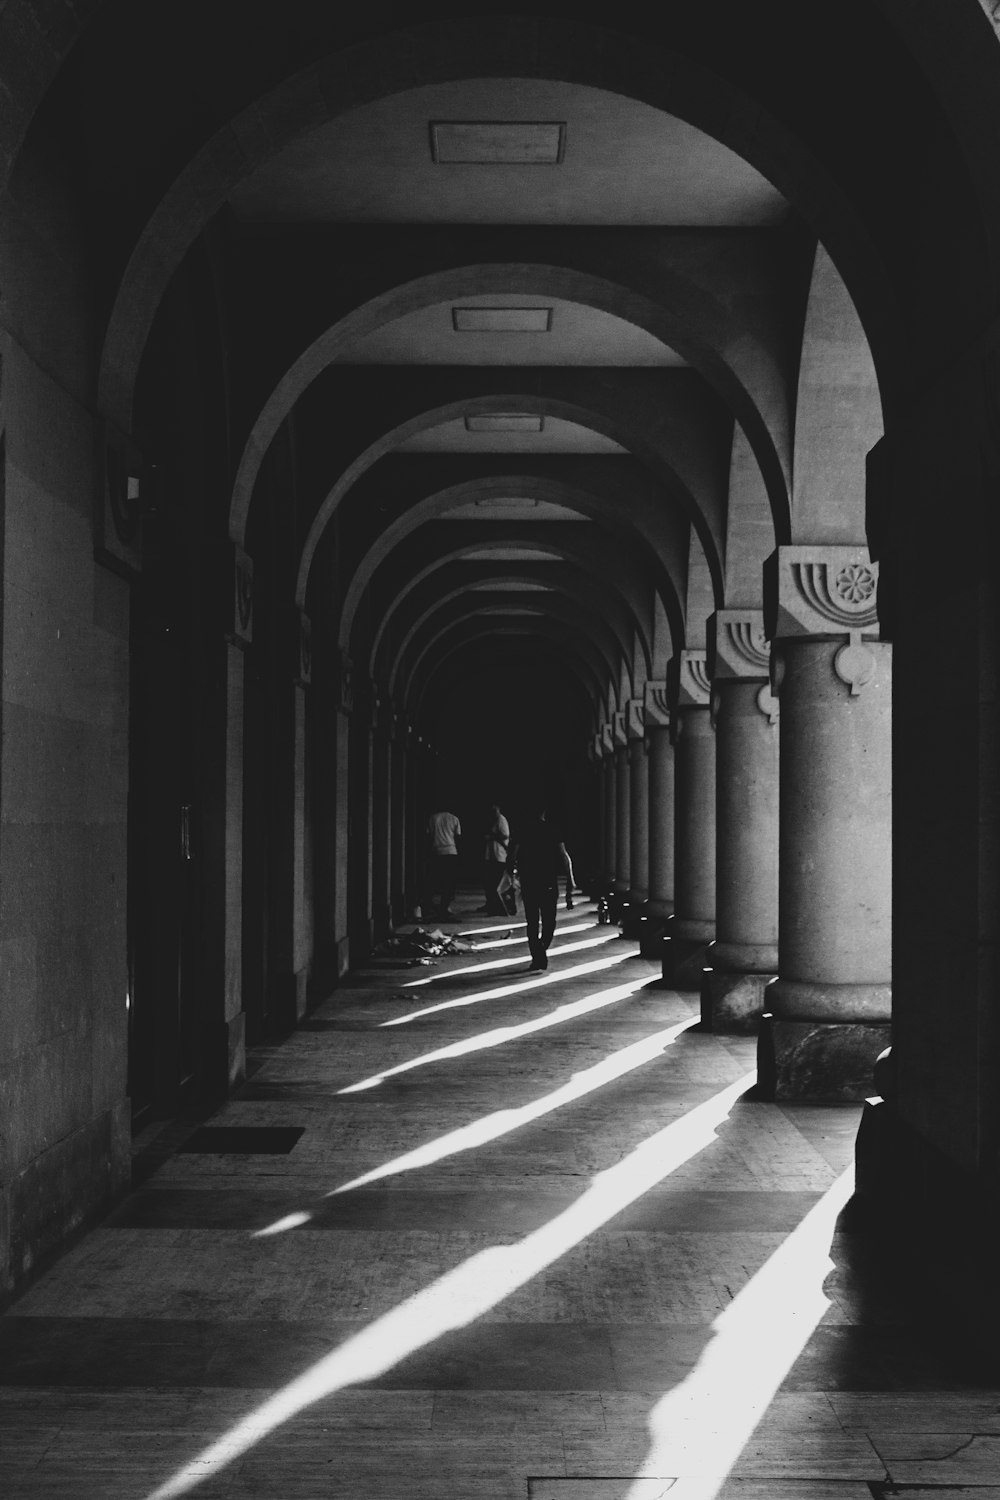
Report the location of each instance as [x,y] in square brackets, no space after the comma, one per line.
[693,681]
[820,591]
[656,706]
[303,672]
[737,644]
[825,591]
[635,719]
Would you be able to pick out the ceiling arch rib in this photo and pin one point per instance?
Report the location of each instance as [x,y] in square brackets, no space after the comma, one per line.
[163,217]
[449,545]
[462,609]
[506,592]
[451,571]
[626,505]
[568,651]
[679,434]
[682,291]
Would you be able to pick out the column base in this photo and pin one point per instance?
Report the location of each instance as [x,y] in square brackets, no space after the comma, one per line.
[734,985]
[683,951]
[826,1061]
[633,911]
[732,1004]
[653,925]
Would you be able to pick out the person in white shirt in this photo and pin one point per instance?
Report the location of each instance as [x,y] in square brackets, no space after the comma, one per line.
[495,861]
[443,829]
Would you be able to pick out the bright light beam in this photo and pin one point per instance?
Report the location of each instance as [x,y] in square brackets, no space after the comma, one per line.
[508,963]
[469,1291]
[503,1121]
[501,1034]
[508,942]
[700,1428]
[511,989]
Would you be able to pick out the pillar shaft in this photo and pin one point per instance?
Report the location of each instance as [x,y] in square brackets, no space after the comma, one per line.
[746,835]
[661,822]
[610,819]
[694,832]
[835,837]
[639,821]
[623,821]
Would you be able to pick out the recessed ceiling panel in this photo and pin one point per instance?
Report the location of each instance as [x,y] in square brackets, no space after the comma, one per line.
[491,143]
[511,554]
[558,437]
[501,319]
[504,421]
[578,335]
[624,163]
[489,509]
[519,585]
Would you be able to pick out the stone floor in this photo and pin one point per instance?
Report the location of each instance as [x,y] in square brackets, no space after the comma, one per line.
[532,1241]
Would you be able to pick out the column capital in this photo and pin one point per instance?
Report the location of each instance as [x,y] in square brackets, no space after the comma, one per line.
[737,644]
[619,732]
[635,719]
[820,591]
[656,705]
[692,682]
[607,739]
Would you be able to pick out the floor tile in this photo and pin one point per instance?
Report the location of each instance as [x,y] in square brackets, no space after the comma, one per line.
[528,1309]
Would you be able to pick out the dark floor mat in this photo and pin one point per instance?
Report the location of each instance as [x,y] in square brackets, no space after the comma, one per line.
[244,1140]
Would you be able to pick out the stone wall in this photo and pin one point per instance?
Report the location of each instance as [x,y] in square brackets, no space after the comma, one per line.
[64,1136]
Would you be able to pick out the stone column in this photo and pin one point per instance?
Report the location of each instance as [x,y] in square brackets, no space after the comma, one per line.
[692,926]
[397,820]
[302,913]
[341,830]
[830,1006]
[623,814]
[381,820]
[610,809]
[638,762]
[224,832]
[660,767]
[744,956]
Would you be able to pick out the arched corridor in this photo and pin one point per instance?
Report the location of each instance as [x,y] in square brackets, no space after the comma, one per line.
[426,411]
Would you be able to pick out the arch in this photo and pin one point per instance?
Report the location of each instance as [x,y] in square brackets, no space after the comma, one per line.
[635,65]
[667,566]
[734,358]
[618,420]
[424,633]
[586,665]
[572,557]
[617,625]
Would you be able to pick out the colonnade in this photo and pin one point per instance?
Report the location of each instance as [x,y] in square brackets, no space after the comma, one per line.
[747,823]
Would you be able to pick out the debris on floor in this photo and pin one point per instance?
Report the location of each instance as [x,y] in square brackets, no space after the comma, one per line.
[420,943]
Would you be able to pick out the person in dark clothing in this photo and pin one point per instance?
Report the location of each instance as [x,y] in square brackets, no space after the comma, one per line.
[540,856]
